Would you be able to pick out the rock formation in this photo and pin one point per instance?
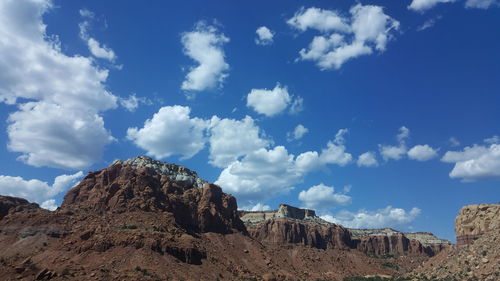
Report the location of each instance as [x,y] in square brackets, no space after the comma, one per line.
[148,185]
[477,254]
[475,220]
[141,219]
[9,205]
[392,242]
[301,226]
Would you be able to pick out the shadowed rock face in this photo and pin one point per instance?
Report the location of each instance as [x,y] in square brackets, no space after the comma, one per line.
[475,220]
[147,185]
[9,205]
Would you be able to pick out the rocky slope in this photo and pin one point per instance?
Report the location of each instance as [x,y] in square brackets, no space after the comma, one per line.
[141,219]
[476,256]
[10,205]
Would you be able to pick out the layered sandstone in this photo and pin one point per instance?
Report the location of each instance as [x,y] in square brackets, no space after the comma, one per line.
[301,226]
[475,220]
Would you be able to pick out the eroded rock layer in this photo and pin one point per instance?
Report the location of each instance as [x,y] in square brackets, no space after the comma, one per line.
[475,220]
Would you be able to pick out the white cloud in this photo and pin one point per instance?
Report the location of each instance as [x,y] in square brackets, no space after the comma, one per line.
[170,131]
[53,81]
[423,5]
[132,102]
[475,162]
[335,153]
[265,173]
[257,207]
[422,152]
[481,4]
[36,190]
[260,174]
[97,49]
[271,102]
[387,217]
[264,36]
[323,196]
[52,135]
[368,29]
[367,159]
[231,139]
[319,19]
[391,152]
[204,45]
[297,133]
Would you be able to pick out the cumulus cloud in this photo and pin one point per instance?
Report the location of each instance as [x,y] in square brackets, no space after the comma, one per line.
[55,136]
[97,49]
[170,131]
[481,4]
[260,174]
[475,162]
[297,133]
[423,5]
[204,45]
[422,152]
[387,217]
[60,126]
[367,159]
[270,102]
[319,19]
[264,36]
[36,190]
[367,30]
[392,152]
[231,139]
[265,173]
[323,196]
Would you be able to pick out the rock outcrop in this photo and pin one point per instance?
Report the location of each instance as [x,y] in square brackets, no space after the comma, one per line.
[148,185]
[477,254]
[291,225]
[9,205]
[475,220]
[388,241]
[301,226]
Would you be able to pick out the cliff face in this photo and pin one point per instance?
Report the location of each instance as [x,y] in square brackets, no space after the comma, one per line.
[301,226]
[475,220]
[477,256]
[143,184]
[9,205]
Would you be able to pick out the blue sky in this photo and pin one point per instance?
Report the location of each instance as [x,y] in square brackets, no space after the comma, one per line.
[398,103]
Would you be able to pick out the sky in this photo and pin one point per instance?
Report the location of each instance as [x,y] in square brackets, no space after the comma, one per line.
[373,113]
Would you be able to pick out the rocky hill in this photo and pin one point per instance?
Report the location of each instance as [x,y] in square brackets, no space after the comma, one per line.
[477,254]
[141,219]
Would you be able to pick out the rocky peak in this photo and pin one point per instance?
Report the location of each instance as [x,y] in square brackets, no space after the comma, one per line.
[475,220]
[176,173]
[146,185]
